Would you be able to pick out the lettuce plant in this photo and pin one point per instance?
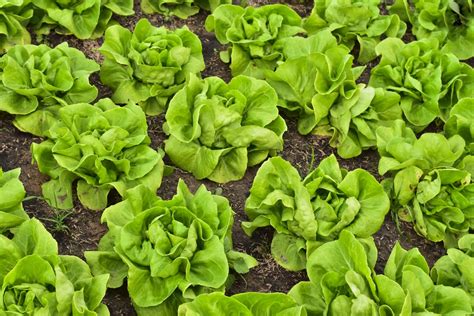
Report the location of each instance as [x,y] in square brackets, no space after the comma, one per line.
[352,122]
[461,122]
[399,148]
[450,22]
[253,33]
[455,268]
[428,187]
[82,18]
[406,288]
[428,80]
[170,251]
[34,79]
[343,282]
[14,16]
[354,21]
[149,65]
[35,280]
[315,73]
[217,130]
[181,8]
[12,193]
[306,213]
[104,147]
[243,304]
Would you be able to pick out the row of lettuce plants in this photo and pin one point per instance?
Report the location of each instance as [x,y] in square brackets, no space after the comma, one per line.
[176,255]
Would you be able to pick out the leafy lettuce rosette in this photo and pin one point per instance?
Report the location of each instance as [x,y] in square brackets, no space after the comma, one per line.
[461,122]
[307,213]
[429,187]
[352,123]
[316,73]
[343,282]
[354,21]
[149,65]
[35,280]
[14,17]
[12,193]
[81,18]
[243,304]
[341,278]
[217,130]
[103,147]
[450,22]
[180,8]
[455,268]
[428,80]
[170,251]
[36,80]
[253,33]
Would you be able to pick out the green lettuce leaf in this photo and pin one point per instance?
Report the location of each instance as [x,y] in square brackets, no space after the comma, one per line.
[216,130]
[35,280]
[12,193]
[149,65]
[104,147]
[461,122]
[169,250]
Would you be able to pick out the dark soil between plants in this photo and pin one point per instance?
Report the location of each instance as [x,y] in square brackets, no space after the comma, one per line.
[83,229]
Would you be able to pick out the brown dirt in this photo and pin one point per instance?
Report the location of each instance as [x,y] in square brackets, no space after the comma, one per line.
[84,228]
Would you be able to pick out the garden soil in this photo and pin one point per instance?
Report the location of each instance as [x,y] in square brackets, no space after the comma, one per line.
[81,230]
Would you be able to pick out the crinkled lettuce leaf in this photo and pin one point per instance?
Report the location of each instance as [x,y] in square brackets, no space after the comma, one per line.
[461,122]
[12,193]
